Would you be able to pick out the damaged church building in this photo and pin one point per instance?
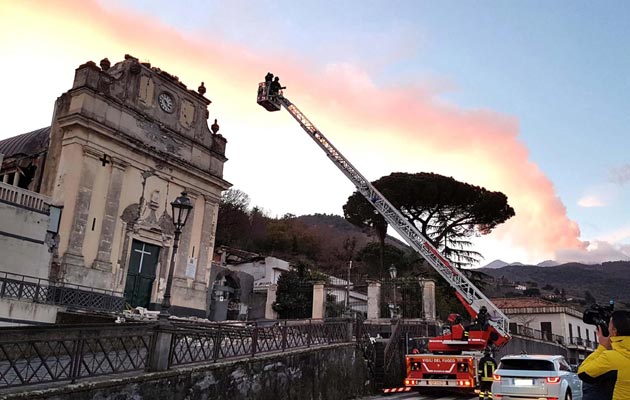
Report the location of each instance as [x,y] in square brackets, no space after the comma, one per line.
[94,189]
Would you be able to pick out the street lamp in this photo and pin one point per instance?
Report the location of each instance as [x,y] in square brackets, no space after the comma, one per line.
[392,274]
[181,210]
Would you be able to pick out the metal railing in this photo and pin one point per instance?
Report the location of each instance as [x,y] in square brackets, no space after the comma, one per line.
[578,341]
[224,341]
[42,355]
[546,336]
[39,290]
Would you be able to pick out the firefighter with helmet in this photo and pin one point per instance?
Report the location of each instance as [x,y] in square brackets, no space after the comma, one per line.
[487,365]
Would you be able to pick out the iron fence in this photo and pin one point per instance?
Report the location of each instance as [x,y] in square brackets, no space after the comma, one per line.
[38,290]
[223,341]
[401,298]
[295,302]
[42,354]
[344,297]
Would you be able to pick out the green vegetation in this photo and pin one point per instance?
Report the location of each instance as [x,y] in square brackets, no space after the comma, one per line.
[447,212]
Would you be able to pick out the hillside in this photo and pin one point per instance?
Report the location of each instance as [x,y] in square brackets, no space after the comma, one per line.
[607,281]
[336,227]
[610,280]
[326,241]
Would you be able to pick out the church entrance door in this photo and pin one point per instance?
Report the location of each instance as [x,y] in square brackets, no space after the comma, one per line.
[141,273]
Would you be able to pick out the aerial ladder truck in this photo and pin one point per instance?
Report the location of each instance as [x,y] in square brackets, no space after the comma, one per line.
[453,356]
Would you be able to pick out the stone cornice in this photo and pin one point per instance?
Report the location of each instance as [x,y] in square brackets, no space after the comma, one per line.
[127,142]
[138,115]
[119,163]
[92,152]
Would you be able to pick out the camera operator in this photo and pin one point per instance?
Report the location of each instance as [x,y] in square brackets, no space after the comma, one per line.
[611,360]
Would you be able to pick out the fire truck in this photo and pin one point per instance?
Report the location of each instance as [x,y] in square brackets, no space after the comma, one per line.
[452,357]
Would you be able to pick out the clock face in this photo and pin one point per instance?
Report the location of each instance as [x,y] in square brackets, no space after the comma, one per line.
[166,102]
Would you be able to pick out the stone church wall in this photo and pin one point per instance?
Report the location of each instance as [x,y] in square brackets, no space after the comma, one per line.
[125,141]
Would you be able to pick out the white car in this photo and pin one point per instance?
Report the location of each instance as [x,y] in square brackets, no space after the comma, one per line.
[539,377]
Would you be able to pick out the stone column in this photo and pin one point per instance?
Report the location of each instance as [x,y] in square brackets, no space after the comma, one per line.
[74,254]
[272,293]
[374,300]
[158,358]
[206,244]
[428,298]
[103,259]
[318,300]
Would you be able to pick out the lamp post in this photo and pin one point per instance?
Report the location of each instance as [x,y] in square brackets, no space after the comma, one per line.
[181,210]
[392,274]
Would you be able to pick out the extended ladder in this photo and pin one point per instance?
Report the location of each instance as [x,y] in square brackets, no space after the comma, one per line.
[465,289]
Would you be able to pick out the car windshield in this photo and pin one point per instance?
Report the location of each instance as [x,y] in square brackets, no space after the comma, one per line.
[527,365]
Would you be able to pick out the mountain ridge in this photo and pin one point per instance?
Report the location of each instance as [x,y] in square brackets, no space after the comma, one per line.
[609,280]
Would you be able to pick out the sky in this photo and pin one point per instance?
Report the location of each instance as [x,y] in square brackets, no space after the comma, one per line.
[528,98]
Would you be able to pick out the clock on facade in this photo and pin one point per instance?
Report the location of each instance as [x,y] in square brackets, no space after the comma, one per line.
[166,102]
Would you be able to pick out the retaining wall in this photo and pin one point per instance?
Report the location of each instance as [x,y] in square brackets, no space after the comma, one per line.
[334,372]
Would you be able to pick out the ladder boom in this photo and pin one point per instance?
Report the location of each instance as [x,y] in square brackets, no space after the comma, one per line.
[408,231]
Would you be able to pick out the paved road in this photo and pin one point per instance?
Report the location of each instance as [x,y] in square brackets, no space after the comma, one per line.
[433,395]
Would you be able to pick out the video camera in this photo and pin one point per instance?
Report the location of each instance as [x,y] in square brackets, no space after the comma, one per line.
[599,316]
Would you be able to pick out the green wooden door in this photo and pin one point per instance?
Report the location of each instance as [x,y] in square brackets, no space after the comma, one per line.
[141,273]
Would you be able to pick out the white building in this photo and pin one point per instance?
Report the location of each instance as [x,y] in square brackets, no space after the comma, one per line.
[227,274]
[264,269]
[554,322]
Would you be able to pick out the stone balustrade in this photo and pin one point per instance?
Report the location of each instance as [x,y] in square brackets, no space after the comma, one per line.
[24,198]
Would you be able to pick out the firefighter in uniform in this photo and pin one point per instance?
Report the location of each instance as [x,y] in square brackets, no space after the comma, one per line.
[487,365]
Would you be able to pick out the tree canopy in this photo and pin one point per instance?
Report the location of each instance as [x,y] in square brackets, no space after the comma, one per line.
[295,292]
[233,219]
[447,212]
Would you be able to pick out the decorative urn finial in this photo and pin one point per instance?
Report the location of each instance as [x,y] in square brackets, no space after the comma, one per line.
[215,127]
[105,64]
[201,89]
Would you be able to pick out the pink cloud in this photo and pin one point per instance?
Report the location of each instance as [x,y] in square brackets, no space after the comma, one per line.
[404,127]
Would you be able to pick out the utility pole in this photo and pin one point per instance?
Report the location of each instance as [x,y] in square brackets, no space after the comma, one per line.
[348,287]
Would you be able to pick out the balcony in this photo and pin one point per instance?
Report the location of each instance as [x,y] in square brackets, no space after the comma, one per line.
[525,331]
[25,198]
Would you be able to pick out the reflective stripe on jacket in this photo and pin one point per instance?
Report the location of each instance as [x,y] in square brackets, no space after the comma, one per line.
[487,365]
[617,360]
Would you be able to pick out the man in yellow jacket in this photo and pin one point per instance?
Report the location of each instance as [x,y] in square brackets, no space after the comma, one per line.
[612,356]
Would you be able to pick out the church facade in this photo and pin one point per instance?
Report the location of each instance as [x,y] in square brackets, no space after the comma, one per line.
[124,142]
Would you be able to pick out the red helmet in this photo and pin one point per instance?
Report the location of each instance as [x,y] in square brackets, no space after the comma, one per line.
[453,317]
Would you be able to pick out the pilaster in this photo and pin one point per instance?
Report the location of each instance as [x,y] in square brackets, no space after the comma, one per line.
[74,254]
[318,300]
[184,242]
[206,244]
[272,294]
[104,256]
[428,299]
[374,300]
